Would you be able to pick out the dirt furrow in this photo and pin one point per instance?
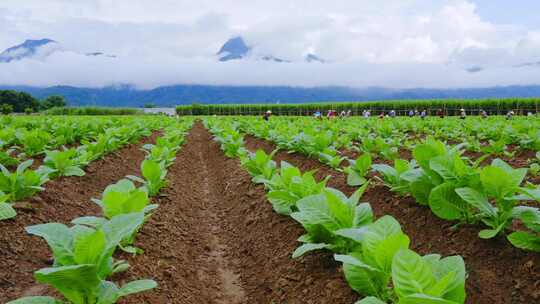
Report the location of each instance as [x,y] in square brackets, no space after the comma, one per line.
[62,200]
[215,239]
[497,272]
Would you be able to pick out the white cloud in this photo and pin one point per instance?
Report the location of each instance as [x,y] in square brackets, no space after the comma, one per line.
[398,43]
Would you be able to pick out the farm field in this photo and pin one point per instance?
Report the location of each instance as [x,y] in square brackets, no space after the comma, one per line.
[235,209]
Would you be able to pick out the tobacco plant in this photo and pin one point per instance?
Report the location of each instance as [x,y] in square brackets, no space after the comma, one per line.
[83,261]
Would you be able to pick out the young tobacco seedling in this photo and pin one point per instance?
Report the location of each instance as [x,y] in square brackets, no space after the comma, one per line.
[386,271]
[290,185]
[154,176]
[392,176]
[358,169]
[260,165]
[63,163]
[121,198]
[499,182]
[24,182]
[83,261]
[332,221]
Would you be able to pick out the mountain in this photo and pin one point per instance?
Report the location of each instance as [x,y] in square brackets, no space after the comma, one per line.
[37,49]
[28,49]
[234,49]
[313,58]
[129,96]
[97,54]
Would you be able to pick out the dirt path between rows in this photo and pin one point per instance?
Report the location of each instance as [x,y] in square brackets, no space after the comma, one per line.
[63,200]
[497,272]
[215,239]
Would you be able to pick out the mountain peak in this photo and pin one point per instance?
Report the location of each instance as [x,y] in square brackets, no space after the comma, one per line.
[313,58]
[28,48]
[234,48]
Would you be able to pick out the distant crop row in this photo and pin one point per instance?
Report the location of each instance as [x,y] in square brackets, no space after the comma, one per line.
[450,106]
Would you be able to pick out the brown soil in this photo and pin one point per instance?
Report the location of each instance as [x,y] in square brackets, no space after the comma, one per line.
[216,239]
[63,200]
[497,272]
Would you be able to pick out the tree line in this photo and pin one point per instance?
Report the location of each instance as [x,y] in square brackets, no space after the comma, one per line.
[22,102]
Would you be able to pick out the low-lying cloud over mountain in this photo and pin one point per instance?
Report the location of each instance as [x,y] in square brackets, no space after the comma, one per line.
[395,43]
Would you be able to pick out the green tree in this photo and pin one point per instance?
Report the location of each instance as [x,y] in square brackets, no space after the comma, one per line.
[53,102]
[6,109]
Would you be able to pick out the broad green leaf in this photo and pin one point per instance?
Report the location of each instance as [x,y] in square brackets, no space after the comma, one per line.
[108,293]
[35,300]
[74,171]
[305,248]
[363,215]
[137,286]
[71,281]
[445,202]
[524,240]
[59,237]
[89,248]
[6,211]
[411,274]
[420,298]
[478,200]
[370,300]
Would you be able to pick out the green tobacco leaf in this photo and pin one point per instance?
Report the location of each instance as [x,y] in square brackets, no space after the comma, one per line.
[478,200]
[305,248]
[59,237]
[70,280]
[411,274]
[524,240]
[362,277]
[370,300]
[89,248]
[420,298]
[355,179]
[6,211]
[74,171]
[445,203]
[136,287]
[35,300]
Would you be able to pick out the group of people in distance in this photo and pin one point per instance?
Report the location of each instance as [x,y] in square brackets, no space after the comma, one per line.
[392,113]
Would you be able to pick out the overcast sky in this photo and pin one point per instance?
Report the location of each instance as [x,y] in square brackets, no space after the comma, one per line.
[392,43]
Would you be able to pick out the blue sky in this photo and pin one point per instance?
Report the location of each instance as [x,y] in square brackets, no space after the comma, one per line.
[394,43]
[518,12]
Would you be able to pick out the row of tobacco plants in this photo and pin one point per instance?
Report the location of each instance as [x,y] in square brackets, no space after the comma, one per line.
[42,138]
[84,251]
[438,176]
[377,260]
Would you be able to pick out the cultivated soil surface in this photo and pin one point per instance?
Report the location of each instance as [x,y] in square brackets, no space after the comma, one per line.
[215,239]
[497,272]
[63,200]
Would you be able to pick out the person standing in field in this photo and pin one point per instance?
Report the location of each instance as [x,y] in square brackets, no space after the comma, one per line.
[462,114]
[392,113]
[266,115]
[440,113]
[509,115]
[411,113]
[318,114]
[423,114]
[483,113]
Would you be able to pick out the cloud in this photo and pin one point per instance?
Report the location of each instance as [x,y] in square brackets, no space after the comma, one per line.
[395,43]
